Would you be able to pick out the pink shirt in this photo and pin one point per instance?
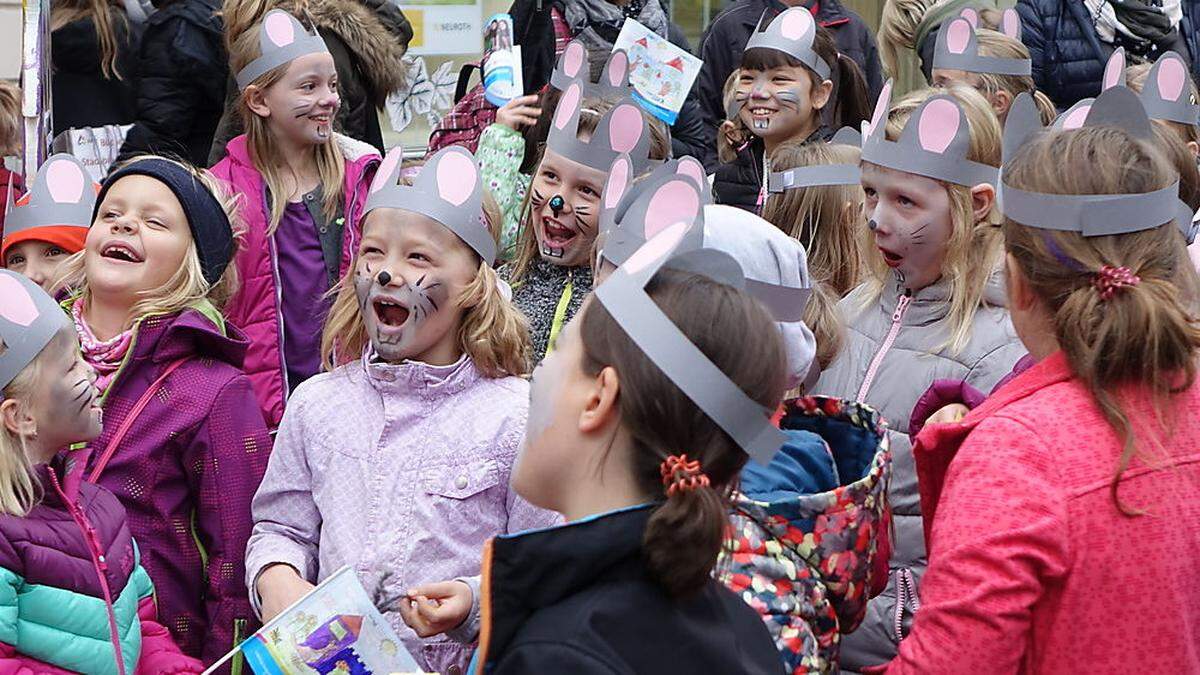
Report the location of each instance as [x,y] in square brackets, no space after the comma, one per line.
[1032,569]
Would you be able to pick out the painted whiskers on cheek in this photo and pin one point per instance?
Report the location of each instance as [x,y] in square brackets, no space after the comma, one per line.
[916,237]
[422,299]
[536,199]
[788,98]
[83,398]
[583,211]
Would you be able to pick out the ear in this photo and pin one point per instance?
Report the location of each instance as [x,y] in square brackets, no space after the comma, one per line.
[983,197]
[1001,102]
[1114,70]
[16,418]
[256,100]
[819,96]
[1194,148]
[600,410]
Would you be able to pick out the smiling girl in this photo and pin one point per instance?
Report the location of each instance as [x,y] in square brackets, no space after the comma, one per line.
[426,355]
[792,85]
[931,307]
[303,188]
[183,445]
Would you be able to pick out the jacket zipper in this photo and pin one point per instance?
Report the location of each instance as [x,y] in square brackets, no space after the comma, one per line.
[873,369]
[99,564]
[279,313]
[906,598]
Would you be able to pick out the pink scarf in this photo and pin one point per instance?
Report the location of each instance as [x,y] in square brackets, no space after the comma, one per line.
[105,356]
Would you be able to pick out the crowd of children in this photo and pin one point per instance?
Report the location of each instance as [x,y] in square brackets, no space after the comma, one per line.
[596,409]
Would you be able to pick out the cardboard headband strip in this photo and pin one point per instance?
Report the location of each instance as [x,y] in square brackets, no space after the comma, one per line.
[814,176]
[792,32]
[29,319]
[1167,92]
[1094,215]
[282,40]
[958,49]
[62,194]
[624,296]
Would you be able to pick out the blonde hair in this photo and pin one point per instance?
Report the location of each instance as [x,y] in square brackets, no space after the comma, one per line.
[1144,334]
[975,249]
[902,21]
[10,118]
[1135,79]
[593,109]
[726,151]
[102,13]
[999,45]
[243,48]
[493,331]
[19,489]
[187,287]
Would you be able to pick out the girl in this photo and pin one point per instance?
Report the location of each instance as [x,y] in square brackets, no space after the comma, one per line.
[995,63]
[792,85]
[49,402]
[822,209]
[420,334]
[303,189]
[1172,99]
[551,273]
[51,222]
[184,446]
[94,48]
[928,307]
[1089,452]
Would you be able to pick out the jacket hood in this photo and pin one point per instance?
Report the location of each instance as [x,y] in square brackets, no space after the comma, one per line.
[823,497]
[363,31]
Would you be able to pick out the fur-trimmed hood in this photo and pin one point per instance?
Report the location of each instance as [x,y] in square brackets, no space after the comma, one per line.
[376,30]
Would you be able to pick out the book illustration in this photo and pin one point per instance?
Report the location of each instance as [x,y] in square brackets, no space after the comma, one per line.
[661,73]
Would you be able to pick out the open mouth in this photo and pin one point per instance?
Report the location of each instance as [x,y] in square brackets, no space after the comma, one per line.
[120,252]
[556,236]
[323,122]
[892,259]
[760,118]
[390,313]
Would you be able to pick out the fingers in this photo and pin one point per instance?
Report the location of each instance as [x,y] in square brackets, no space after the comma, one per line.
[436,590]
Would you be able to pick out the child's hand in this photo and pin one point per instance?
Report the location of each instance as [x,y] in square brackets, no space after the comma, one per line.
[437,608]
[948,414]
[519,112]
[278,587]
[732,133]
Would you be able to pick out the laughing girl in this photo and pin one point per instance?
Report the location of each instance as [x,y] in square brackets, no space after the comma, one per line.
[303,188]
[931,307]
[426,355]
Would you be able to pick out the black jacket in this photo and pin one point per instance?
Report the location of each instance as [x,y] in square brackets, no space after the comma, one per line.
[739,183]
[181,89]
[83,97]
[577,599]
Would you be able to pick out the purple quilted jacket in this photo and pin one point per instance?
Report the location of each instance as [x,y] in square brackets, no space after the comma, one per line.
[186,471]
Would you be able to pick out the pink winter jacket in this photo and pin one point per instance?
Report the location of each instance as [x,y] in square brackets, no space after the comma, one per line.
[1032,568]
[255,308]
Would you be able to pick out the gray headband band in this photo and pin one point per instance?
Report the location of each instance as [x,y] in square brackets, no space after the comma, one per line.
[792,32]
[29,320]
[958,49]
[62,194]
[814,176]
[282,40]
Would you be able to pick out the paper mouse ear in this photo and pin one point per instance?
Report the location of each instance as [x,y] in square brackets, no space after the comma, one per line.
[1023,122]
[616,71]
[649,207]
[572,65]
[934,143]
[566,114]
[1010,24]
[389,170]
[847,136]
[62,193]
[957,48]
[282,39]
[621,130]
[879,116]
[792,32]
[971,15]
[1120,107]
[29,319]
[1167,93]
[1114,70]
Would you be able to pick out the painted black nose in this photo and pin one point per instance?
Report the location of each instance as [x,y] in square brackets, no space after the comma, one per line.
[384,278]
[557,203]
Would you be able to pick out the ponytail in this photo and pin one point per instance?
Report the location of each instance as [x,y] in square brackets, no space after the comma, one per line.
[851,105]
[685,534]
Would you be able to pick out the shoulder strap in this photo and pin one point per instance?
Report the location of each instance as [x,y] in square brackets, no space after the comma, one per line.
[126,423]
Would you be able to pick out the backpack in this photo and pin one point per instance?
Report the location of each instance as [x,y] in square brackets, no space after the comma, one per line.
[471,114]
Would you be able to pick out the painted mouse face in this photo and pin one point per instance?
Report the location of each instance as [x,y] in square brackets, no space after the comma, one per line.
[911,220]
[302,105]
[564,203]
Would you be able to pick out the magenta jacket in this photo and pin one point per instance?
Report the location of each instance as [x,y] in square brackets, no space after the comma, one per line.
[186,472]
[255,309]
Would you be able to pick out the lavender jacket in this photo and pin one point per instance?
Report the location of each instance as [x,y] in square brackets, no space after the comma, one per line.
[400,471]
[186,472]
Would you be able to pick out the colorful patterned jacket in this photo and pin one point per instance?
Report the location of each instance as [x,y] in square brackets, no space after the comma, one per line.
[809,544]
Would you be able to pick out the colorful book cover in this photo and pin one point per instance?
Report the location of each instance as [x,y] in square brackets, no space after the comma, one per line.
[334,630]
[502,76]
[660,72]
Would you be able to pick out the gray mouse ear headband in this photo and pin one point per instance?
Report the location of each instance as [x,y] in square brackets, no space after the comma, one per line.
[792,32]
[572,65]
[1167,93]
[63,193]
[29,319]
[957,47]
[821,174]
[448,189]
[621,130]
[1090,215]
[934,142]
[282,40]
[624,296]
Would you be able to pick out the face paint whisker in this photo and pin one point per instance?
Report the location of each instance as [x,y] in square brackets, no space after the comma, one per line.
[920,229]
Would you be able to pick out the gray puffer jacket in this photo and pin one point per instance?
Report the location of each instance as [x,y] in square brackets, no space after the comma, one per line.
[892,343]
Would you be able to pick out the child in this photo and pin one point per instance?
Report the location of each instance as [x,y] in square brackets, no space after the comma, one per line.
[1089,452]
[929,306]
[821,207]
[51,222]
[303,189]
[184,446]
[994,63]
[53,622]
[550,274]
[428,354]
[1170,96]
[786,87]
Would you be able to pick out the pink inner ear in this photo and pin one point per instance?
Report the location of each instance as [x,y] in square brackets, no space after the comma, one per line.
[1077,117]
[618,181]
[795,23]
[279,29]
[456,178]
[656,248]
[65,181]
[386,169]
[625,128]
[573,59]
[1114,70]
[566,106]
[673,202]
[958,34]
[691,168]
[17,307]
[971,16]
[881,106]
[1011,23]
[618,66]
[1171,79]
[938,125]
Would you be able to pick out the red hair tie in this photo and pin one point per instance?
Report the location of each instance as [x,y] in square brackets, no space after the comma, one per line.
[1109,279]
[680,475]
